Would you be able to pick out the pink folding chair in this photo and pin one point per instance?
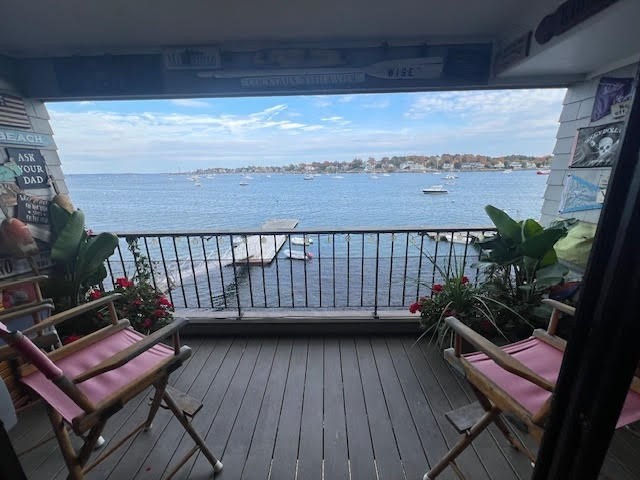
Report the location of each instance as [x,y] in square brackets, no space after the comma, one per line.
[85,382]
[519,379]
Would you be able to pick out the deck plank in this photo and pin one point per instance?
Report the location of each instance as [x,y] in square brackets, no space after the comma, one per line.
[285,450]
[234,454]
[414,460]
[388,463]
[311,433]
[358,432]
[336,461]
[258,461]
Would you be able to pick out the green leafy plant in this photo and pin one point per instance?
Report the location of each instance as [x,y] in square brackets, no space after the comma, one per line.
[519,261]
[77,256]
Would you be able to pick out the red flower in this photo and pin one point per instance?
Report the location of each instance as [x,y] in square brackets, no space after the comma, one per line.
[137,302]
[146,323]
[437,288]
[122,282]
[158,313]
[95,294]
[464,280]
[163,301]
[71,338]
[415,307]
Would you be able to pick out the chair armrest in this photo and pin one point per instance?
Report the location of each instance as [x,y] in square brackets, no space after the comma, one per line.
[502,359]
[563,307]
[132,351]
[33,280]
[72,312]
[21,312]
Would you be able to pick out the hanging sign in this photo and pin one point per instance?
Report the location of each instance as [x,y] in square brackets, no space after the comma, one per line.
[33,209]
[584,191]
[612,98]
[12,112]
[597,147]
[512,53]
[32,165]
[16,137]
[406,69]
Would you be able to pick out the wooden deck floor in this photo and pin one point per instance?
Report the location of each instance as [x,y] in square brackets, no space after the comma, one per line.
[306,408]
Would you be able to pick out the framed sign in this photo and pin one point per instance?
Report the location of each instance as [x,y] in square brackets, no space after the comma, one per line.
[596,147]
[584,191]
[33,209]
[32,165]
[612,98]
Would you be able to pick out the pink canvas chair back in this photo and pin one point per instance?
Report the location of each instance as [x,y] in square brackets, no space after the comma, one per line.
[545,360]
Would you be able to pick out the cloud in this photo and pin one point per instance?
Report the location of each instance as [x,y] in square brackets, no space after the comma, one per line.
[190,103]
[104,138]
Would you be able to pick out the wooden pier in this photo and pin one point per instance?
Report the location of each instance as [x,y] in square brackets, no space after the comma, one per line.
[258,249]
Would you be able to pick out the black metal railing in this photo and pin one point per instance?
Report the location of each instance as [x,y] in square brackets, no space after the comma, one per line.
[292,269]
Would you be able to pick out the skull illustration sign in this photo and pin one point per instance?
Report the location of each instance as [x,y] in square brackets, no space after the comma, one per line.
[596,147]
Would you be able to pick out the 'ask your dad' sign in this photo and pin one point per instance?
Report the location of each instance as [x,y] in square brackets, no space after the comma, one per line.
[32,164]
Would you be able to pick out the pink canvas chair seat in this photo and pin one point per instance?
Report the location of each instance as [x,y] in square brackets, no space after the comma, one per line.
[545,360]
[102,386]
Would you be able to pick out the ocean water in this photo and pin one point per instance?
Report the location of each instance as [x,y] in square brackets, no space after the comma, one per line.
[164,202]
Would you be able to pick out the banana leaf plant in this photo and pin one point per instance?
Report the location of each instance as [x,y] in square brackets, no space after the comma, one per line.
[78,257]
[520,259]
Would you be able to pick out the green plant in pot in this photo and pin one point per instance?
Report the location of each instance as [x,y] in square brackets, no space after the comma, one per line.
[520,263]
[78,257]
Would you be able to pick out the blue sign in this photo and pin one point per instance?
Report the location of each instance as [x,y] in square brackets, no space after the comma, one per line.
[17,137]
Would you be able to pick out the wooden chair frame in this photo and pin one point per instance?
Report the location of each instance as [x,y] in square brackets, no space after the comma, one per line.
[493,399]
[90,423]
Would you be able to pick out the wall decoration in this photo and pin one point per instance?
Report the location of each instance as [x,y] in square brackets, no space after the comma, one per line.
[12,112]
[16,137]
[512,53]
[597,146]
[584,190]
[32,165]
[9,194]
[613,97]
[33,209]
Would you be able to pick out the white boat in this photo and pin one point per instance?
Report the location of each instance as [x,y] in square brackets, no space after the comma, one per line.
[543,172]
[248,177]
[455,237]
[244,184]
[339,177]
[297,254]
[374,177]
[386,175]
[450,177]
[437,173]
[434,190]
[309,177]
[508,171]
[197,183]
[301,241]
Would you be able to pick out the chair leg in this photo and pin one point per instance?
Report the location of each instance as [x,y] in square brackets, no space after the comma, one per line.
[68,452]
[182,418]
[155,404]
[90,443]
[463,443]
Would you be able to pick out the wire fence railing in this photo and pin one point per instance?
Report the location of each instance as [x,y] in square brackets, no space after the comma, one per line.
[339,269]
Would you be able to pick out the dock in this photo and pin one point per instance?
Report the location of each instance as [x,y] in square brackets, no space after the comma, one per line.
[249,251]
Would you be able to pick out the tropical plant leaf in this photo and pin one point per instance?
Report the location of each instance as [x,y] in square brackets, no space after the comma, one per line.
[549,259]
[551,275]
[93,254]
[65,248]
[538,245]
[507,226]
[530,228]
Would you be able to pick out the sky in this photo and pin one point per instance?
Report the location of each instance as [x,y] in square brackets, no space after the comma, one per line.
[186,134]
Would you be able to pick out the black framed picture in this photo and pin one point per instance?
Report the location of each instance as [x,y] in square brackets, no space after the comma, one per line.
[597,147]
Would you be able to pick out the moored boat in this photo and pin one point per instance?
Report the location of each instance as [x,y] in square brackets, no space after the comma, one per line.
[434,190]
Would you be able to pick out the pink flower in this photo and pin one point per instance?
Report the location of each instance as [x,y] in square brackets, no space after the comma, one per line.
[464,280]
[146,323]
[415,307]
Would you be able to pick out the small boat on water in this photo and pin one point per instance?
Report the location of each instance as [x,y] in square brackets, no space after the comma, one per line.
[543,172]
[434,190]
[297,254]
[301,241]
[244,184]
[197,183]
[455,237]
[309,177]
[509,170]
[386,175]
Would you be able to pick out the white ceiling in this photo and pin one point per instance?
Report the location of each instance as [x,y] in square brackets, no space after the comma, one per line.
[32,28]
